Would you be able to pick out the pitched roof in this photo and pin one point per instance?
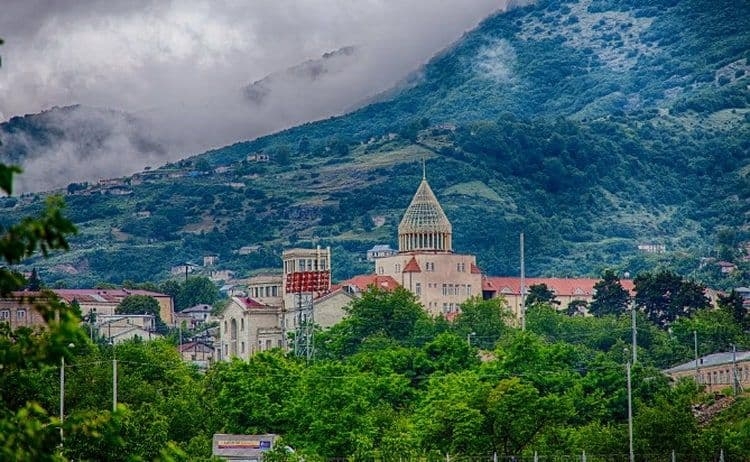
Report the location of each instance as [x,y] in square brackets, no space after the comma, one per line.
[412,266]
[364,281]
[475,269]
[248,303]
[424,214]
[714,359]
[192,346]
[202,308]
[561,286]
[101,295]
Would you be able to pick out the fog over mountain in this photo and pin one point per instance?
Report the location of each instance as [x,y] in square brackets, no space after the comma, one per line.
[186,69]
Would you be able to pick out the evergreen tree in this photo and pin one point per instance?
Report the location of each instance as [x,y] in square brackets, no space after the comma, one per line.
[609,296]
[34,283]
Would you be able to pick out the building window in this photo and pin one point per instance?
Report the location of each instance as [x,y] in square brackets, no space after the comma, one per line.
[397,268]
[242,347]
[380,270]
[429,266]
[445,289]
[468,290]
[268,344]
[242,324]
[5,314]
[21,314]
[418,289]
[461,267]
[445,308]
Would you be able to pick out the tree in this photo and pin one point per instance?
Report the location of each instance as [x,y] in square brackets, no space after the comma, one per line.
[734,304]
[484,320]
[138,304]
[517,413]
[34,283]
[576,308]
[27,430]
[540,293]
[196,291]
[665,296]
[379,312]
[609,296]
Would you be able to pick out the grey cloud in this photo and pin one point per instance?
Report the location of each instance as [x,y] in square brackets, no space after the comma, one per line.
[182,67]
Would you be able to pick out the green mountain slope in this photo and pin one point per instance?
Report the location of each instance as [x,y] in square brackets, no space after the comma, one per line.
[592,126]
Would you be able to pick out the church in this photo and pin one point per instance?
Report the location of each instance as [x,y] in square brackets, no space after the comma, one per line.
[425,263]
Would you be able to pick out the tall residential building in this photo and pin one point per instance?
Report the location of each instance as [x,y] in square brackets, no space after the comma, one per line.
[425,263]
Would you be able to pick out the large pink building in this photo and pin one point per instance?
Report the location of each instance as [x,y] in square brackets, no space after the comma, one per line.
[425,263]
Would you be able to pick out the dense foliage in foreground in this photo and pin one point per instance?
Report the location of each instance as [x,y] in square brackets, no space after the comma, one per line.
[403,385]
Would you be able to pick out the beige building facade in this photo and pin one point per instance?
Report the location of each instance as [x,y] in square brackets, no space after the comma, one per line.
[425,263]
[247,327]
[717,371]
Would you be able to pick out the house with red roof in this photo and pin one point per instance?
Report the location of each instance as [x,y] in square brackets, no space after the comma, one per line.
[105,301]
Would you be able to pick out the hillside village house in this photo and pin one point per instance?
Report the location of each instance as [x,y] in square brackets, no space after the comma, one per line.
[716,371]
[18,310]
[198,352]
[198,314]
[119,328]
[105,301]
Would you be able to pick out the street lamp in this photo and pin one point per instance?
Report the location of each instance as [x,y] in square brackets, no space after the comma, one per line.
[62,393]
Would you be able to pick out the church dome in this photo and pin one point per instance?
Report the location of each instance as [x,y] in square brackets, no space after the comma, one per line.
[424,226]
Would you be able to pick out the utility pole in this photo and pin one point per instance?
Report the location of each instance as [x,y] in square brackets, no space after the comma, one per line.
[62,397]
[635,333]
[523,286]
[735,382]
[630,416]
[114,379]
[695,349]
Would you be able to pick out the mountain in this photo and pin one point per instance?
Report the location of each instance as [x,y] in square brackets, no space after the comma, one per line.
[297,78]
[593,126]
[76,143]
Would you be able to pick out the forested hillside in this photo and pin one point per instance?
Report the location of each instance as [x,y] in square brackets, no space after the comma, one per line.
[592,126]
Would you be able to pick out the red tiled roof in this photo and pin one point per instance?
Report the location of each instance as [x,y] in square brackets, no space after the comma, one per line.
[475,269]
[362,282]
[251,303]
[412,266]
[561,286]
[101,295]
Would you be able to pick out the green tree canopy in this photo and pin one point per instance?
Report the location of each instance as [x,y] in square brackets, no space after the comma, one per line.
[665,296]
[138,304]
[195,291]
[484,320]
[609,296]
[539,294]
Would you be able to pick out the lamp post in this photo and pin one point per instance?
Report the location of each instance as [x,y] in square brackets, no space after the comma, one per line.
[62,394]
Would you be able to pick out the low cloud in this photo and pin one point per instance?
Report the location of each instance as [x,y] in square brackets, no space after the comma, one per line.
[183,68]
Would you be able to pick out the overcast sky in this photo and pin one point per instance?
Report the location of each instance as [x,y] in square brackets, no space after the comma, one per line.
[183,64]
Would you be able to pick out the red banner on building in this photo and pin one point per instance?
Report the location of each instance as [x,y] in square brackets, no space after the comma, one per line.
[308,282]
